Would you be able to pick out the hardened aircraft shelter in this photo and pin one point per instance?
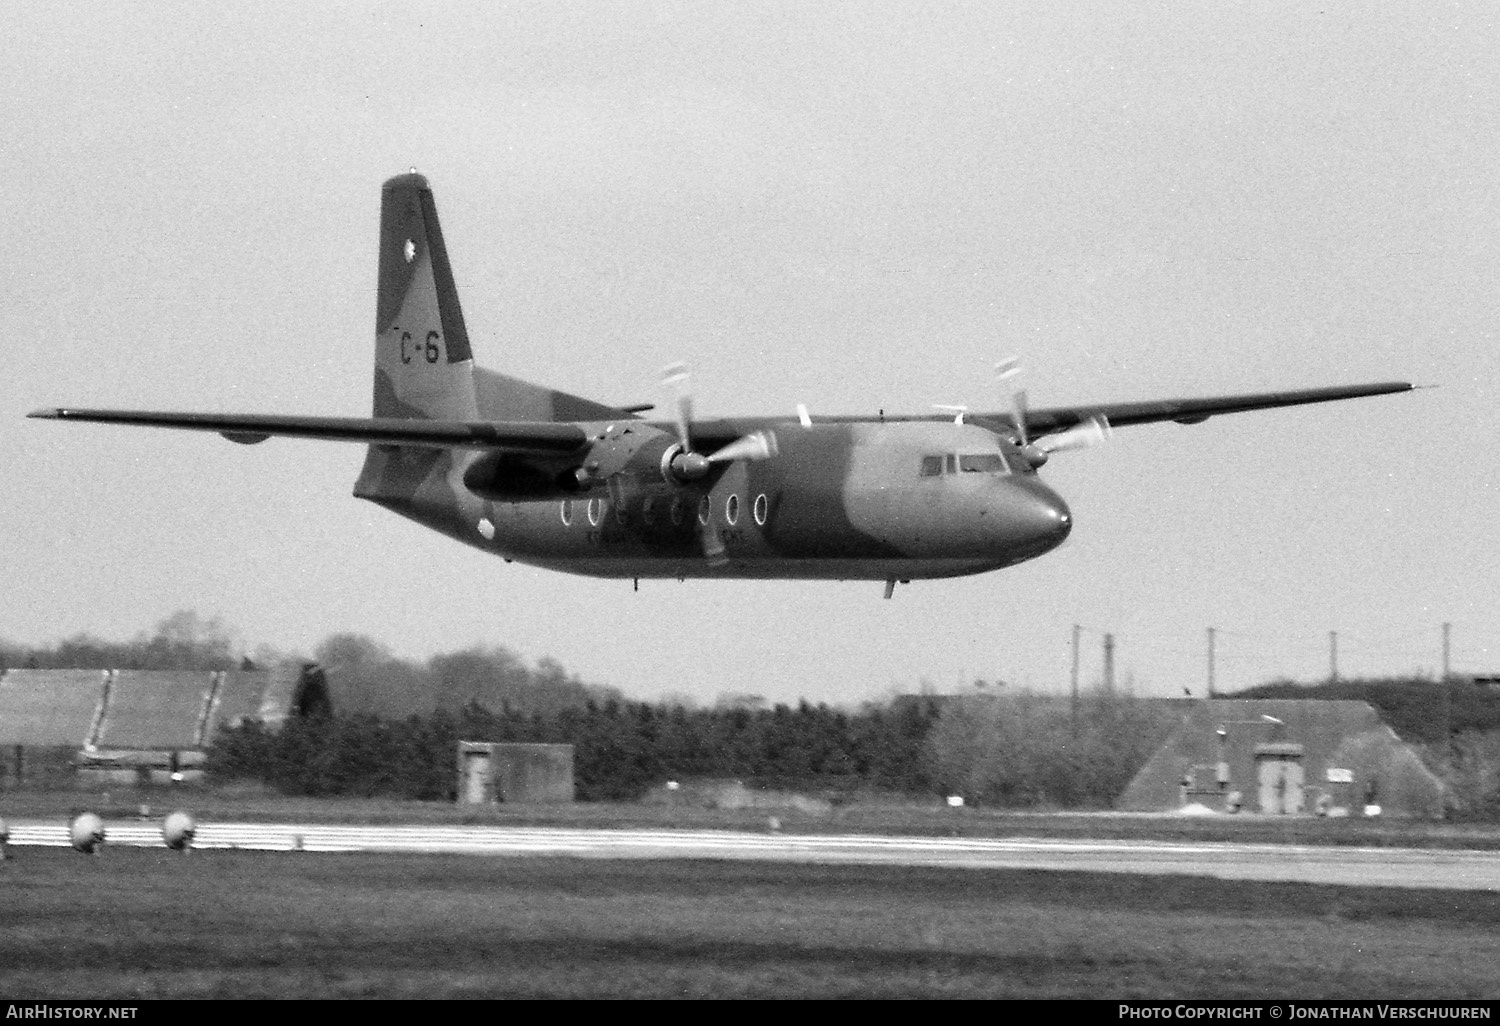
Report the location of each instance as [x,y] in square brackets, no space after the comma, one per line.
[1285,757]
[138,725]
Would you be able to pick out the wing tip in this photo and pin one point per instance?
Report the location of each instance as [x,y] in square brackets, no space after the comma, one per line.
[48,413]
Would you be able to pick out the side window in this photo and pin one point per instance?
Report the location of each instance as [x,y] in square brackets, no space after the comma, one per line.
[981,463]
[951,463]
[932,466]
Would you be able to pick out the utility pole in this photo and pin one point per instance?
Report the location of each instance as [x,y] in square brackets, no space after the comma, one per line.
[1073,694]
[1210,662]
[1447,686]
[1109,664]
[1333,656]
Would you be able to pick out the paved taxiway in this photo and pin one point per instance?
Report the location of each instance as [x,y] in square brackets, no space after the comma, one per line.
[1377,867]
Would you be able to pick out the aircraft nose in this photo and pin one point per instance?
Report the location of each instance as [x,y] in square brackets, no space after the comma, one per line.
[1039,520]
[1050,519]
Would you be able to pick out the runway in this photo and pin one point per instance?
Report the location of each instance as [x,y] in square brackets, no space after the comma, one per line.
[1368,867]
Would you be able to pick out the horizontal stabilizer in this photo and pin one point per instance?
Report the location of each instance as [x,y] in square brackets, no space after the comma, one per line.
[520,437]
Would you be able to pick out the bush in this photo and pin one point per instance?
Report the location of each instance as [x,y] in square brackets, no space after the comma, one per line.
[1023,749]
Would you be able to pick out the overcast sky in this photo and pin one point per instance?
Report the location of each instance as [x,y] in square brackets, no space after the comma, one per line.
[853,206]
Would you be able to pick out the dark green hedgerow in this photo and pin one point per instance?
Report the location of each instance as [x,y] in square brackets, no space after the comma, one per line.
[621,749]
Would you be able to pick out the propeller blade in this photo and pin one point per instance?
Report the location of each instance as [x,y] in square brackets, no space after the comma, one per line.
[713,545]
[675,377]
[1080,436]
[758,445]
[1007,370]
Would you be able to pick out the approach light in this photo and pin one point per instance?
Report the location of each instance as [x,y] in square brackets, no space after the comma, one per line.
[87,833]
[178,830]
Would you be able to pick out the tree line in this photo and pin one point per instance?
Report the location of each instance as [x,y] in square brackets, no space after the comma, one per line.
[621,749]
[396,723]
[1006,751]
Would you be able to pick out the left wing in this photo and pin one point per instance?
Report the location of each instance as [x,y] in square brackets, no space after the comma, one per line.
[522,437]
[1191,411]
[1050,420]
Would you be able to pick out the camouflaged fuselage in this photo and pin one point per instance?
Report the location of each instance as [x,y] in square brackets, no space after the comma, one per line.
[840,502]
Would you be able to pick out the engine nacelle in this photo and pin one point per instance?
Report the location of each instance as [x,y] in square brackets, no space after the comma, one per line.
[506,477]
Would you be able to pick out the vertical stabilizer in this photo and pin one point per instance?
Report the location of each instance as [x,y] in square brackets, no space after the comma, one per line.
[424,368]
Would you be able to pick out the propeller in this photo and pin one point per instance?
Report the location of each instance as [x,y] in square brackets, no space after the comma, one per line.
[682,463]
[1082,435]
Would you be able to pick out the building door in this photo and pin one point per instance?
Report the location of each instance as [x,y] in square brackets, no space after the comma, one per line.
[1280,779]
[476,777]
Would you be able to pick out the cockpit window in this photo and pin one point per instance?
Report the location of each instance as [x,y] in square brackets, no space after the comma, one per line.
[981,463]
[932,466]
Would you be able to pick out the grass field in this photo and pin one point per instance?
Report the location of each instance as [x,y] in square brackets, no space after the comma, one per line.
[148,923]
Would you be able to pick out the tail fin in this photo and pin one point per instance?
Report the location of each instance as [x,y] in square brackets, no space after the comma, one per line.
[424,368]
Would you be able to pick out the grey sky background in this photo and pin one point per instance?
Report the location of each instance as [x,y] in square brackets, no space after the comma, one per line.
[854,206]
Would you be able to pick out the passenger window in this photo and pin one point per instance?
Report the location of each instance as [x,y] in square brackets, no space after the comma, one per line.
[981,463]
[932,466]
[951,462]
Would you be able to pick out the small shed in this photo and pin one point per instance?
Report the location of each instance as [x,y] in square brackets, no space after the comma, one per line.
[493,771]
[1285,757]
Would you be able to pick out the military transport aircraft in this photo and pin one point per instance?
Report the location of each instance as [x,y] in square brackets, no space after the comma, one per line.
[558,481]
